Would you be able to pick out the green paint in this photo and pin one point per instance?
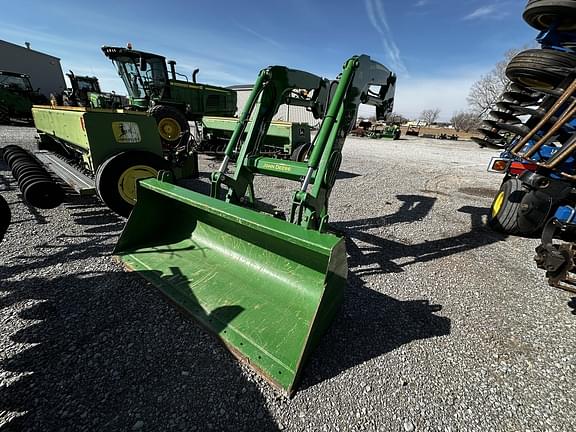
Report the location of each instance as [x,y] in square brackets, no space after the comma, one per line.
[268,288]
[98,133]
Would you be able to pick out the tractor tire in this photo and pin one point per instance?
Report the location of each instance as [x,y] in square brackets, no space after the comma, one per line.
[117,177]
[4,115]
[301,153]
[504,210]
[542,14]
[540,68]
[5,217]
[534,212]
[171,124]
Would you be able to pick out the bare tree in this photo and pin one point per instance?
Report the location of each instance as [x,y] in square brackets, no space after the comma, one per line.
[465,121]
[396,118]
[430,115]
[485,92]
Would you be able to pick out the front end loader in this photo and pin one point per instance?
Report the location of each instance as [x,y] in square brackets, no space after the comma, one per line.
[267,284]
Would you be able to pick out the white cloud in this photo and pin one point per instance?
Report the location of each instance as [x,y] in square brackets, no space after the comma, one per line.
[377,17]
[421,3]
[490,11]
[259,35]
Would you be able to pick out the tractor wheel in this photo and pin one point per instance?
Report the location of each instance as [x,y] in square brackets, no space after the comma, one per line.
[117,177]
[4,115]
[301,153]
[534,211]
[540,68]
[542,14]
[171,124]
[5,217]
[503,215]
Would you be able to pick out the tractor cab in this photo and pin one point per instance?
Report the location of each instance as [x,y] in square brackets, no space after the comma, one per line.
[81,89]
[17,97]
[144,74]
[84,84]
[15,82]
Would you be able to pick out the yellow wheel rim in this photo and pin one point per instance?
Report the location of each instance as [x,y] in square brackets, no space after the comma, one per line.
[169,129]
[497,204]
[129,178]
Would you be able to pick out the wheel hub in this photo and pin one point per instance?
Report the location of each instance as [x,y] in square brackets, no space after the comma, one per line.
[169,129]
[129,178]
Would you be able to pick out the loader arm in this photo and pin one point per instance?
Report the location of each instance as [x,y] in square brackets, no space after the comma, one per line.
[269,288]
[361,81]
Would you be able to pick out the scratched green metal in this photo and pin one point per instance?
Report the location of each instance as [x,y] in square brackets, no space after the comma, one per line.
[90,130]
[268,288]
[280,134]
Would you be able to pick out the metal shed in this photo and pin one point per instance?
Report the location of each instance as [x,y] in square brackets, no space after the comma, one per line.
[295,114]
[45,70]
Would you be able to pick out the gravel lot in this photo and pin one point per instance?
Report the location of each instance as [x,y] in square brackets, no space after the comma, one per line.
[446,326]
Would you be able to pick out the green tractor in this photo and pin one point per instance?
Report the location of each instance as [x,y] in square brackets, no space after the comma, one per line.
[17,97]
[85,92]
[171,101]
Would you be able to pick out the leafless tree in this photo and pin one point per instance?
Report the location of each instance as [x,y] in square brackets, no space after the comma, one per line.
[396,118]
[485,92]
[465,121]
[430,115]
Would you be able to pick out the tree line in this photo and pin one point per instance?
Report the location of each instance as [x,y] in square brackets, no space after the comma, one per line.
[483,94]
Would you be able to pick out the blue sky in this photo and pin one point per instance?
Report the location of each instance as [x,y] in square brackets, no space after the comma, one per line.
[438,48]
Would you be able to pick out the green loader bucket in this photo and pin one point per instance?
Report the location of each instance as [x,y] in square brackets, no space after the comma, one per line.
[266,287]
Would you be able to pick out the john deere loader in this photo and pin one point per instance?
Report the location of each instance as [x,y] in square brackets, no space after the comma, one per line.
[267,284]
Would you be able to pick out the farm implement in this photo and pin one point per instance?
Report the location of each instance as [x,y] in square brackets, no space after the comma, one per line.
[106,152]
[538,193]
[267,284]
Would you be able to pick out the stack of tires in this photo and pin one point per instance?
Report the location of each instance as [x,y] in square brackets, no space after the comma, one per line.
[539,77]
[536,74]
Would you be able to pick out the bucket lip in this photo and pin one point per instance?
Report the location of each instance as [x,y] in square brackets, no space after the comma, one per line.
[322,242]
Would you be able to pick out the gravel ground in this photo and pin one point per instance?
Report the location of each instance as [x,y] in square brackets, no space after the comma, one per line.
[445,326]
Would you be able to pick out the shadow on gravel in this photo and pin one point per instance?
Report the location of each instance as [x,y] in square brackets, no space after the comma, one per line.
[370,323]
[110,353]
[572,305]
[98,240]
[371,254]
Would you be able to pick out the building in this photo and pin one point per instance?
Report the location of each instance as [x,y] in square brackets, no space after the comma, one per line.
[44,70]
[295,114]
